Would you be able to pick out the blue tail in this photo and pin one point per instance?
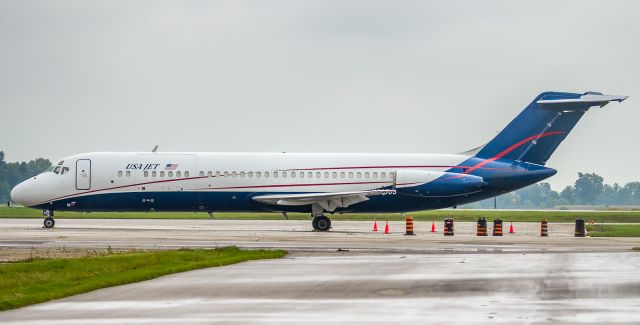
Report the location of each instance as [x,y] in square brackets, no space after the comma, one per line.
[536,133]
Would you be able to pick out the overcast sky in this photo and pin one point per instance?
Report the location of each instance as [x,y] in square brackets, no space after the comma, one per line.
[314,76]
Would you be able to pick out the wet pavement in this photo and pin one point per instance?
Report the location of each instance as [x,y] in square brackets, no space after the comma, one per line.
[375,278]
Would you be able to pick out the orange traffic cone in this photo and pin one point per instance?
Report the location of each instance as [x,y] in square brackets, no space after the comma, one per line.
[433,226]
[386,227]
[511,229]
[375,225]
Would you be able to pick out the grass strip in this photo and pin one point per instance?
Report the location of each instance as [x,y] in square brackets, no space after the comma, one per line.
[39,280]
[614,230]
[459,215]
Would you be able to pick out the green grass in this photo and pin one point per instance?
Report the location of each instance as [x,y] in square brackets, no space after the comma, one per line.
[459,215]
[614,230]
[34,281]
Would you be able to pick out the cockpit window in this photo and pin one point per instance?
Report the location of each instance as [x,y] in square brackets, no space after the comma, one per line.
[50,169]
[57,170]
[64,170]
[60,162]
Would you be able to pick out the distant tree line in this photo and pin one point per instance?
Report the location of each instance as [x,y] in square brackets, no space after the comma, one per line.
[588,189]
[16,172]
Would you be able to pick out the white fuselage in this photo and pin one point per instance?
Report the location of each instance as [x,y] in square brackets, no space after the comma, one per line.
[112,172]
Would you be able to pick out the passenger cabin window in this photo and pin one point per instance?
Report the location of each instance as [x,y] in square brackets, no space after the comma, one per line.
[301,174]
[250,174]
[383,175]
[178,174]
[226,173]
[210,173]
[350,174]
[186,173]
[146,173]
[284,174]
[391,175]
[258,174]
[375,174]
[128,173]
[310,174]
[234,174]
[241,174]
[326,174]
[162,173]
[154,173]
[266,174]
[119,173]
[275,174]
[202,173]
[318,174]
[342,175]
[170,174]
[366,175]
[359,175]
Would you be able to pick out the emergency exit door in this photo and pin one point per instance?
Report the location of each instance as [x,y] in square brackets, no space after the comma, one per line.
[83,174]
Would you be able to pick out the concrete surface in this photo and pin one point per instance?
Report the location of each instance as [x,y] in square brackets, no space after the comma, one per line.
[373,278]
[292,235]
[335,288]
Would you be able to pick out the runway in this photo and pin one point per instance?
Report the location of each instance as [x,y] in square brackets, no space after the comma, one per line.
[349,275]
[293,235]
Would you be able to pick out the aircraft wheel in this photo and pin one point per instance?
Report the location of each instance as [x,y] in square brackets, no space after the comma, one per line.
[49,222]
[321,223]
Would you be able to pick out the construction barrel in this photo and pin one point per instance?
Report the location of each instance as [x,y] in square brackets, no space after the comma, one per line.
[481,227]
[497,227]
[544,230]
[448,227]
[409,226]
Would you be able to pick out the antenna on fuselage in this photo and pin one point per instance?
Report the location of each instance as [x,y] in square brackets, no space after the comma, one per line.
[155,148]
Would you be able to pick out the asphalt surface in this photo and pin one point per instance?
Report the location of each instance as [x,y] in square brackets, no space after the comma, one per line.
[349,275]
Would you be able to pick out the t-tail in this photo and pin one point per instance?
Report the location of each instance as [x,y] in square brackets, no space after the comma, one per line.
[534,135]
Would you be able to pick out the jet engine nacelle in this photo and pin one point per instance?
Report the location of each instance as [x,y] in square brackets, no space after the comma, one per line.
[435,183]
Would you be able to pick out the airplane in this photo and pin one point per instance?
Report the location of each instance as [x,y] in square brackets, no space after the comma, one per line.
[315,183]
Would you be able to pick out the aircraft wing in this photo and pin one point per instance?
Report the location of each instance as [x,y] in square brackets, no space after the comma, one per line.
[328,201]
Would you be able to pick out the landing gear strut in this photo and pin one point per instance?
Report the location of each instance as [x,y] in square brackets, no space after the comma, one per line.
[321,223]
[48,220]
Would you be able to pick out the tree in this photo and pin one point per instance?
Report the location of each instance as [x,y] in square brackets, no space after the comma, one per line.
[588,187]
[630,193]
[13,173]
[568,194]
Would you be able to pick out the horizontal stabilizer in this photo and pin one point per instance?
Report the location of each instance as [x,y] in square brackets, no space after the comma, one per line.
[581,103]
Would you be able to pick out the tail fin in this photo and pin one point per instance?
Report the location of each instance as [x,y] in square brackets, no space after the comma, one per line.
[536,133]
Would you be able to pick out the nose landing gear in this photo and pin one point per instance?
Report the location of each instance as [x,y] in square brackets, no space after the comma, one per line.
[48,220]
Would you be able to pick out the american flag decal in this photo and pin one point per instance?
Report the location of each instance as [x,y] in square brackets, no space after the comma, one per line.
[171,167]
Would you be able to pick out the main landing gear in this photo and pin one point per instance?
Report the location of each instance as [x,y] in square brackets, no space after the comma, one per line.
[48,220]
[321,223]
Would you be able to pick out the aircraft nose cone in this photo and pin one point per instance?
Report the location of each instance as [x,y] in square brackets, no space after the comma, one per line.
[17,194]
